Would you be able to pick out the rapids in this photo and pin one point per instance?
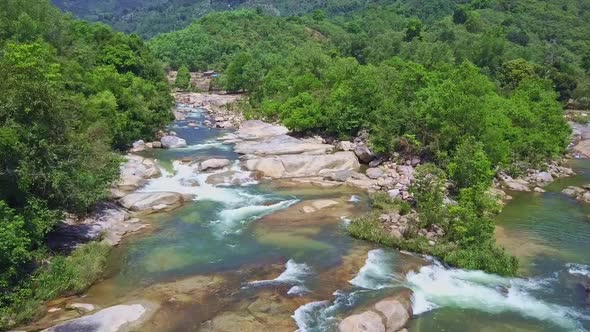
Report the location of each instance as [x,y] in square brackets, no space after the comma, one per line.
[243,256]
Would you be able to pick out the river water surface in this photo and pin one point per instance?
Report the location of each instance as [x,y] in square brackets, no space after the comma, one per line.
[244,256]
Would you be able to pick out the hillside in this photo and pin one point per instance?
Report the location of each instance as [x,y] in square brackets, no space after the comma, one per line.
[151,17]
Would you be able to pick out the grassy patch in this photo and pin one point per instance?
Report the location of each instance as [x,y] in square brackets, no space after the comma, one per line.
[63,276]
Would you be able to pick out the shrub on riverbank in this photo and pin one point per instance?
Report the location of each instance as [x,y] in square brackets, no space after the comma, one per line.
[62,276]
[468,240]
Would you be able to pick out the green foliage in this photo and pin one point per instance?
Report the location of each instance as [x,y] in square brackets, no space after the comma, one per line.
[428,190]
[470,166]
[71,93]
[183,78]
[63,276]
[515,71]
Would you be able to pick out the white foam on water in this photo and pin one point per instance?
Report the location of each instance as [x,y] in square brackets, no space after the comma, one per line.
[354,199]
[436,286]
[297,290]
[578,269]
[231,219]
[204,146]
[294,274]
[306,315]
[376,273]
[345,221]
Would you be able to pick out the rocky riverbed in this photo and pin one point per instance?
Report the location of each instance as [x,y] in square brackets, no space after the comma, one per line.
[246,232]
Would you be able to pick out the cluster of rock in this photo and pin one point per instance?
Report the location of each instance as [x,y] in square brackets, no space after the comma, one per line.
[268,150]
[221,108]
[167,141]
[535,180]
[387,315]
[582,194]
[398,225]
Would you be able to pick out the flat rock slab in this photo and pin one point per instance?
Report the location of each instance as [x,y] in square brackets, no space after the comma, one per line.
[151,201]
[292,166]
[111,319]
[256,129]
[281,144]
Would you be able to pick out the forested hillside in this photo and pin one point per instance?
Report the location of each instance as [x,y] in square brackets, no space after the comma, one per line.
[72,93]
[150,17]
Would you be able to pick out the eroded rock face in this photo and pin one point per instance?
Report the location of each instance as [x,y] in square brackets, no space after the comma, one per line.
[286,166]
[151,202]
[171,142]
[111,319]
[134,173]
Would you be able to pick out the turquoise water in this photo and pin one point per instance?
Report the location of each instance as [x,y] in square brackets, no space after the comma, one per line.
[272,267]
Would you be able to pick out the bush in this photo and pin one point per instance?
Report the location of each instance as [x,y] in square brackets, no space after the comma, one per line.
[183,78]
[64,276]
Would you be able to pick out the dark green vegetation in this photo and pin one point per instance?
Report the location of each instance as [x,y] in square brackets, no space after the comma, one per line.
[468,239]
[150,17]
[473,88]
[72,93]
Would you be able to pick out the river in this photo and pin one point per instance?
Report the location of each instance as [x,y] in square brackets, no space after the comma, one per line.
[245,257]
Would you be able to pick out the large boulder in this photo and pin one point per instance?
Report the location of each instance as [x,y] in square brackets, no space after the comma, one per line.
[151,202]
[111,319]
[543,177]
[214,164]
[171,142]
[256,129]
[345,146]
[388,315]
[368,321]
[281,144]
[374,173]
[292,166]
[364,153]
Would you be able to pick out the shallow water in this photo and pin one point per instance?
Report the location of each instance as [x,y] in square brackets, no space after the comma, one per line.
[245,257]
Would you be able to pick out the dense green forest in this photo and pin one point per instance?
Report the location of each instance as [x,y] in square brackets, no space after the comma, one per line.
[150,17]
[474,89]
[72,94]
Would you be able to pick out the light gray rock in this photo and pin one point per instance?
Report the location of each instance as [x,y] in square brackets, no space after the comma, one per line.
[374,173]
[364,153]
[151,202]
[340,176]
[394,193]
[396,314]
[256,129]
[172,142]
[214,164]
[292,166]
[138,146]
[368,321]
[543,177]
[111,319]
[279,145]
[345,146]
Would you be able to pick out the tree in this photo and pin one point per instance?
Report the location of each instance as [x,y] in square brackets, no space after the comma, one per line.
[413,29]
[183,78]
[470,166]
[428,189]
[515,71]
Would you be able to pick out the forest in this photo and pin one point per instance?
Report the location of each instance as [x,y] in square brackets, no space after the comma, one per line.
[73,94]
